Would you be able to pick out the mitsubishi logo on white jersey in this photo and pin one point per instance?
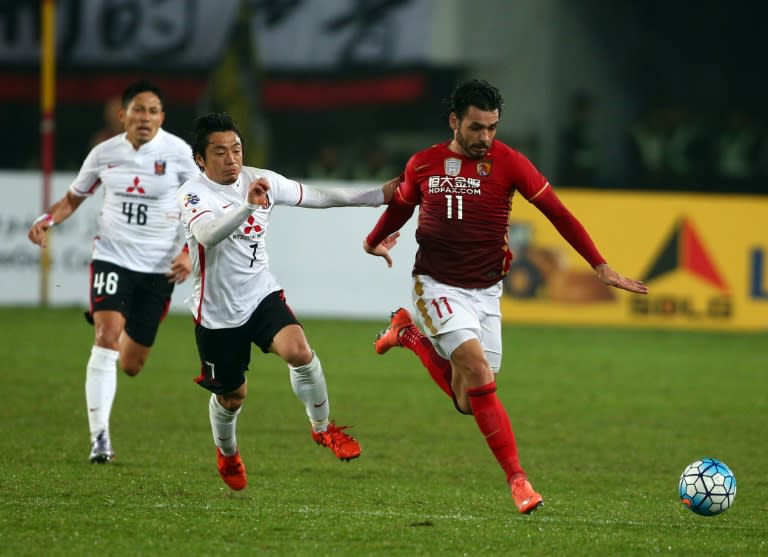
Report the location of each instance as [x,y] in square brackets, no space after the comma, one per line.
[135,187]
[250,227]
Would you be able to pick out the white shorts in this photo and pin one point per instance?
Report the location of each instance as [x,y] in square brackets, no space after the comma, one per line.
[450,316]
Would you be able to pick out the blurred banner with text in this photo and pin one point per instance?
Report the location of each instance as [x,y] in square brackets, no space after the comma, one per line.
[702,257]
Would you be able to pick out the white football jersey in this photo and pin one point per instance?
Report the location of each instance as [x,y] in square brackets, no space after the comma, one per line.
[232,277]
[139,221]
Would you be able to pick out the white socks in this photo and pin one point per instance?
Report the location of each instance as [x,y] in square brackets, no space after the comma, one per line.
[308,383]
[223,425]
[100,387]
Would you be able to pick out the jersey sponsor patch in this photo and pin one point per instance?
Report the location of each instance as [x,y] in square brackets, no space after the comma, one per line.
[452,166]
[250,227]
[135,187]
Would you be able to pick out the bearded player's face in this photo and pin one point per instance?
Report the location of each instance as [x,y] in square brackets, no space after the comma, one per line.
[475,132]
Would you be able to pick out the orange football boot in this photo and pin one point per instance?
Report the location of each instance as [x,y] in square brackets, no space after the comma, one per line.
[524,496]
[232,470]
[344,446]
[390,337]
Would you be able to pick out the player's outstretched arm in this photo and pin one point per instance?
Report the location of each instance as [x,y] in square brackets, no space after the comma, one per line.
[59,211]
[612,278]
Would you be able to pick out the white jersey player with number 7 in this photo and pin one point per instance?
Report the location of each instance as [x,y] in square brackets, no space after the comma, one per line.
[237,301]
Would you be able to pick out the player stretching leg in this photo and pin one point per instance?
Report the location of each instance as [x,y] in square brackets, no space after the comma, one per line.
[237,301]
[464,187]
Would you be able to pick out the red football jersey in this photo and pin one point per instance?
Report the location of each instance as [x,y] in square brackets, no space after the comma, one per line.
[465,206]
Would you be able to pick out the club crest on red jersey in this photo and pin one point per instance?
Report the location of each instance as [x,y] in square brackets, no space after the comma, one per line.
[452,166]
[484,168]
[159,168]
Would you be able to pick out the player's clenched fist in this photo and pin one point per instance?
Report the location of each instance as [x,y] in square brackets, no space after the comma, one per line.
[257,192]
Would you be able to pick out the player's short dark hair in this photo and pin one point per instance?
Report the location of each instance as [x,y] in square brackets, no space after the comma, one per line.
[141,86]
[205,125]
[474,92]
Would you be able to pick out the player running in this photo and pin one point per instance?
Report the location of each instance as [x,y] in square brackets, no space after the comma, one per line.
[465,188]
[237,301]
[137,253]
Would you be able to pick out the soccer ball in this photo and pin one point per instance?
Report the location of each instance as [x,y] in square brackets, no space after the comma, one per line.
[707,487]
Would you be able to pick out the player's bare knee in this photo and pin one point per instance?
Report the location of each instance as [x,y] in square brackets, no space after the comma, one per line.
[107,338]
[232,401]
[299,355]
[478,373]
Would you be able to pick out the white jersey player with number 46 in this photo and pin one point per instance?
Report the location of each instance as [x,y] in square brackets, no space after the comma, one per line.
[136,250]
[139,226]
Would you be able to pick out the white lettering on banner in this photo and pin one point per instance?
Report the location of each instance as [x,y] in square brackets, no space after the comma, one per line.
[324,34]
[121,33]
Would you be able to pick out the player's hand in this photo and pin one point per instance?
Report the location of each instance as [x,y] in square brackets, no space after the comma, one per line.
[257,192]
[389,188]
[37,231]
[612,278]
[382,250]
[181,268]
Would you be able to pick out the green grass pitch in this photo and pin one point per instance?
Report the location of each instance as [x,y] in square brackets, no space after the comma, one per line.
[606,420]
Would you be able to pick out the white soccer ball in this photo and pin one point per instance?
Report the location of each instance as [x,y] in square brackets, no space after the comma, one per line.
[707,487]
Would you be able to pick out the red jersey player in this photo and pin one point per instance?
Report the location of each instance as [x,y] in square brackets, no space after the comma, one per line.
[465,188]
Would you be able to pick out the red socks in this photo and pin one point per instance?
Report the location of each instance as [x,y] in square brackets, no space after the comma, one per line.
[438,367]
[494,423]
[489,414]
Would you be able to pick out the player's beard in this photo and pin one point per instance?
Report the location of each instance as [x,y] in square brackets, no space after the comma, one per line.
[471,149]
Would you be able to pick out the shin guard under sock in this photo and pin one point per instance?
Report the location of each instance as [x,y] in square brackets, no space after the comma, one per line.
[494,423]
[438,367]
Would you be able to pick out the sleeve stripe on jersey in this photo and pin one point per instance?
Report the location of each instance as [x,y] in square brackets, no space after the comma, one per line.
[538,193]
[198,215]
[301,192]
[400,197]
[90,188]
[201,261]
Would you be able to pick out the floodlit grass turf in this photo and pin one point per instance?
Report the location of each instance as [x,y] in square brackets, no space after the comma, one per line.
[606,421]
